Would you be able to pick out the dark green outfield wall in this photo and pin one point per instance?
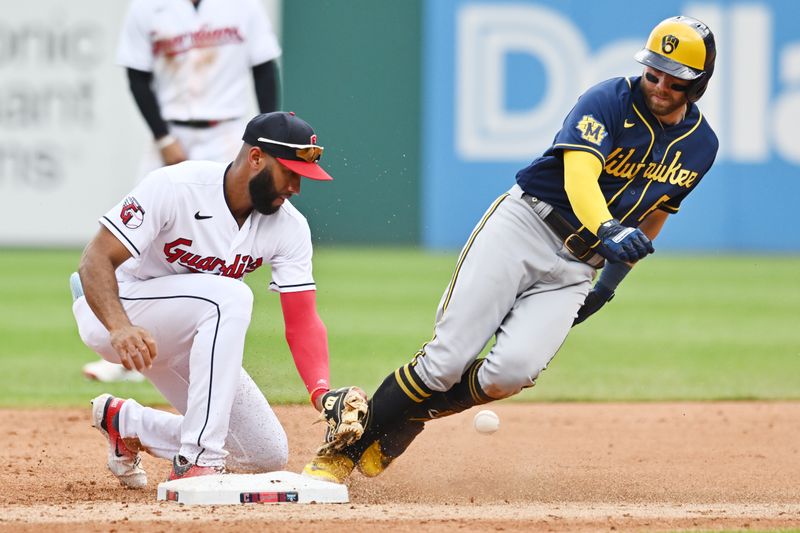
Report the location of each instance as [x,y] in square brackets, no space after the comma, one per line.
[352,69]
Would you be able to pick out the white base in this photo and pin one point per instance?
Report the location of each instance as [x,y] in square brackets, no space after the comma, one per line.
[273,487]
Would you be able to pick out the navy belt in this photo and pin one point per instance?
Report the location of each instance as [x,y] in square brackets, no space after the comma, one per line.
[564,230]
[200,124]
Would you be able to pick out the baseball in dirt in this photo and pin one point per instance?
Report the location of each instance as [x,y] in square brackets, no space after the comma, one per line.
[486,422]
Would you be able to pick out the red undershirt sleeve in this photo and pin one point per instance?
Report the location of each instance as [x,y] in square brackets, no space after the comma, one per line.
[307,339]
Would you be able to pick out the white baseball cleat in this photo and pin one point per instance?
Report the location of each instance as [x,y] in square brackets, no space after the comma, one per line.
[122,461]
[102,370]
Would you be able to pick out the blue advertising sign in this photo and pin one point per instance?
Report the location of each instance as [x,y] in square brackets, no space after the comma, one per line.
[499,78]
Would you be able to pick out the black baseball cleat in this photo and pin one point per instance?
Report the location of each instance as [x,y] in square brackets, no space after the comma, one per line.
[182,468]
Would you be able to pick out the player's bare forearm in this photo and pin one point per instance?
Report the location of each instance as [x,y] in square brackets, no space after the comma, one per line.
[100,259]
[651,226]
[173,153]
[97,269]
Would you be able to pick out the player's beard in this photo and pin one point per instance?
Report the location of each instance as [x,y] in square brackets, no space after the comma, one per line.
[263,193]
[659,107]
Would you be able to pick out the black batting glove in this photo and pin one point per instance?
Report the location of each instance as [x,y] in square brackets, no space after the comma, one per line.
[623,244]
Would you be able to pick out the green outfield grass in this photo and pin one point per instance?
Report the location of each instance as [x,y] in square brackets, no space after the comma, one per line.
[680,328]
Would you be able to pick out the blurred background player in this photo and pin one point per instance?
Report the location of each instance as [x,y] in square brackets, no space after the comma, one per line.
[189,64]
[627,155]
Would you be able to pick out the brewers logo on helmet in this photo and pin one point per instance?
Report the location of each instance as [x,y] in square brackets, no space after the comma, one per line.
[682,47]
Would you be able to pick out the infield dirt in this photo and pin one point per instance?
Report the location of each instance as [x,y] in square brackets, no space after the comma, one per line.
[550,467]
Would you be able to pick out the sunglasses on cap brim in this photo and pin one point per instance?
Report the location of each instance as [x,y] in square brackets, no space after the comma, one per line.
[652,78]
[307,152]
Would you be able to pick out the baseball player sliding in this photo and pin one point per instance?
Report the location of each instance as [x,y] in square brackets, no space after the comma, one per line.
[163,294]
[628,154]
[189,63]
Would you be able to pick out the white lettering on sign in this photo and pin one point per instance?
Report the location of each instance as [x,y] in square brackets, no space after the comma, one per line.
[786,109]
[486,33]
[754,119]
[78,45]
[70,134]
[748,84]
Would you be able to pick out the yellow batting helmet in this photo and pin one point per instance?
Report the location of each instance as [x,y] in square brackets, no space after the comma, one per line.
[682,47]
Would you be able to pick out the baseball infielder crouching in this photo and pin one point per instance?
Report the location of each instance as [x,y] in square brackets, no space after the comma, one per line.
[627,155]
[164,295]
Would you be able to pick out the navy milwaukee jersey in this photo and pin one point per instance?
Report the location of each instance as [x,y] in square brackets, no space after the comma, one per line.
[646,165]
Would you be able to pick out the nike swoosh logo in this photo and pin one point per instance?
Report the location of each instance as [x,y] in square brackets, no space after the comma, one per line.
[626,124]
[198,216]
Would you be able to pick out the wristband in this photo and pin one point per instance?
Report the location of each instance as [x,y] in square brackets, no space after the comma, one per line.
[612,275]
[316,393]
[164,141]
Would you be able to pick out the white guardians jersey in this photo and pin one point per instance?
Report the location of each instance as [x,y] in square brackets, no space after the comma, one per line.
[176,221]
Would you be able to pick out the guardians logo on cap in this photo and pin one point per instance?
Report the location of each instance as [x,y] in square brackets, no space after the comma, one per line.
[290,140]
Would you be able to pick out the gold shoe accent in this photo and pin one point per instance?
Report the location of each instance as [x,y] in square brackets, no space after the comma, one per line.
[333,468]
[373,462]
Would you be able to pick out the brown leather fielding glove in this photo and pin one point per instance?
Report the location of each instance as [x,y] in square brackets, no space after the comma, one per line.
[344,411]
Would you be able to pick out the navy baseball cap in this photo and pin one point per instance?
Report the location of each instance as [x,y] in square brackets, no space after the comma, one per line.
[290,140]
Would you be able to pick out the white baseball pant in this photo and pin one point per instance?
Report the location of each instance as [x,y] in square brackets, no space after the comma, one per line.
[199,322]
